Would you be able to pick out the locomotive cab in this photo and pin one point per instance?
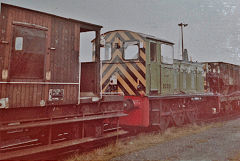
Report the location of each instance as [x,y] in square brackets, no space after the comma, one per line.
[135,62]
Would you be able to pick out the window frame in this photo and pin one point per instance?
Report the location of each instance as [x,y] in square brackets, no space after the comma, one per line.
[156,54]
[15,42]
[172,47]
[111,47]
[123,49]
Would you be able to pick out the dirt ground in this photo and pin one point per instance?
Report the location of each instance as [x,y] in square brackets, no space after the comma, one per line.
[218,143]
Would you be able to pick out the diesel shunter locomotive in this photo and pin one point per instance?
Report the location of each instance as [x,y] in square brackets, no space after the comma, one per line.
[158,88]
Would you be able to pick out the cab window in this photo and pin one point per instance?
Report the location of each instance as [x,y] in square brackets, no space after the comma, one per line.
[167,53]
[153,51]
[131,50]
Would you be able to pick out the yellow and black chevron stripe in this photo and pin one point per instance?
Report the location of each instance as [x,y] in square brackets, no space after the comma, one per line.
[130,73]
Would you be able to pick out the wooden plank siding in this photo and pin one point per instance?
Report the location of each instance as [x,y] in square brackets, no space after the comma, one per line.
[62,63]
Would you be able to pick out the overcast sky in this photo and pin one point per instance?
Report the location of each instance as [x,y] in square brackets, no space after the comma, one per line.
[212,34]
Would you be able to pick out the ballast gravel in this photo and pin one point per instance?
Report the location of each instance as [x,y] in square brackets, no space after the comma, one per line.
[218,143]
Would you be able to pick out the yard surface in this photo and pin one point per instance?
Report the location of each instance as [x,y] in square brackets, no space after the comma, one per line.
[217,143]
[131,148]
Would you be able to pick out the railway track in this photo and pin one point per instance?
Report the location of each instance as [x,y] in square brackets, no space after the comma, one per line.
[133,134]
[231,116]
[50,152]
[111,136]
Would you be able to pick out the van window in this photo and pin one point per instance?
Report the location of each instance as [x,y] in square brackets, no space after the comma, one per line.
[19,43]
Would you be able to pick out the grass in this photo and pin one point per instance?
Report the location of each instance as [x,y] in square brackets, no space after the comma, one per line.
[235,156]
[142,141]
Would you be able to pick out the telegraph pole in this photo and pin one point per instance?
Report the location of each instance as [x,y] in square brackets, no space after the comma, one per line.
[182,25]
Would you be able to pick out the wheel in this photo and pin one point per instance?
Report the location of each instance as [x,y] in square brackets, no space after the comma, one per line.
[178,115]
[192,114]
[164,118]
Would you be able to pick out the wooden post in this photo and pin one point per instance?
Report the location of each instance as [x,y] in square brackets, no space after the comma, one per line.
[97,59]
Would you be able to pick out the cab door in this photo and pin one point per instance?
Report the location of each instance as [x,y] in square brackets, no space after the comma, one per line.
[167,83]
[28,53]
[154,69]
